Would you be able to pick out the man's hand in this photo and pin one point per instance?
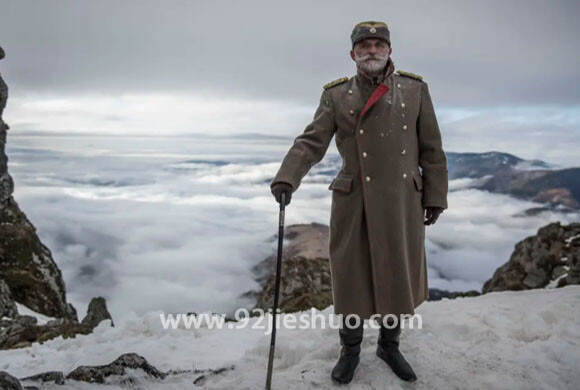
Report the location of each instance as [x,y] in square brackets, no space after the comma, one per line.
[280,187]
[432,213]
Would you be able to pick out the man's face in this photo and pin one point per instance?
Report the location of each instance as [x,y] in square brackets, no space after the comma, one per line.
[371,54]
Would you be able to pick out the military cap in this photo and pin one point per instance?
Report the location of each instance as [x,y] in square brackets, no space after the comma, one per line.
[370,29]
[2,54]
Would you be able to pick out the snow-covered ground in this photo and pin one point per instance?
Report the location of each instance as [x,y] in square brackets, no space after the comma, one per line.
[508,340]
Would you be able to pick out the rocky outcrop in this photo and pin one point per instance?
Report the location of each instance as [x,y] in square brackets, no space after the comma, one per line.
[304,283]
[26,265]
[97,312]
[98,374]
[7,305]
[28,274]
[120,372]
[300,240]
[551,258]
[114,372]
[56,377]
[23,330]
[305,279]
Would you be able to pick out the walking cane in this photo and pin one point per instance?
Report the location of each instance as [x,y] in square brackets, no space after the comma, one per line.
[276,288]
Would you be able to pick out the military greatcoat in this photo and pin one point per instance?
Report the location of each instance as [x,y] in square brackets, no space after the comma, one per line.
[393,167]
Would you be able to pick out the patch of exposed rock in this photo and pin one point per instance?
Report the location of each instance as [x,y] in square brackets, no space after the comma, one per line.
[551,258]
[97,374]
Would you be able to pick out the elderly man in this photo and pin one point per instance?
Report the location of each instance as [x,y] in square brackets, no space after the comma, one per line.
[386,129]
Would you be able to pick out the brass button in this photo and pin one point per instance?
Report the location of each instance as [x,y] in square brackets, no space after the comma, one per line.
[364,154]
[403,105]
[404,175]
[382,134]
[350,91]
[403,151]
[398,85]
[404,127]
[368,178]
[351,112]
[361,131]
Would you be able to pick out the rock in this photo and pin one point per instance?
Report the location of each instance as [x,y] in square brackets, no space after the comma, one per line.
[436,294]
[27,267]
[305,283]
[7,304]
[9,382]
[306,240]
[97,312]
[97,374]
[26,264]
[56,377]
[28,274]
[549,259]
[23,330]
[202,379]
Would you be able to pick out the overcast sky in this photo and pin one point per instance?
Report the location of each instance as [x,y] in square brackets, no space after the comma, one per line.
[227,66]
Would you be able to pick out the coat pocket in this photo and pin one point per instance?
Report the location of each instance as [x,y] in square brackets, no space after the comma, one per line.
[418,180]
[341,183]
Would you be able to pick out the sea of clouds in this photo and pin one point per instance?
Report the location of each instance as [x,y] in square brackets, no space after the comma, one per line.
[176,223]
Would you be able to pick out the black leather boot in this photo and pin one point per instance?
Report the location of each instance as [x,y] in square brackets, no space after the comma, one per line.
[388,350]
[350,340]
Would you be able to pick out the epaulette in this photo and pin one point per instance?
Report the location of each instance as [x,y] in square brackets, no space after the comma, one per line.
[409,74]
[335,82]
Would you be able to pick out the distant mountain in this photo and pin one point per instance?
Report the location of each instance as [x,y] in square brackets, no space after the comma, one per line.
[477,165]
[556,188]
[534,180]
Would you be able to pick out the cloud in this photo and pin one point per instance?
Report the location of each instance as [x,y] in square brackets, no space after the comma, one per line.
[490,53]
[163,228]
[155,114]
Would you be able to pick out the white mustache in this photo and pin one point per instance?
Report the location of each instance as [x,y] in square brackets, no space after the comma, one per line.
[372,57]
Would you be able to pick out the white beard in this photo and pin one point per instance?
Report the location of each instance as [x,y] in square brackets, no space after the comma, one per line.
[373,66]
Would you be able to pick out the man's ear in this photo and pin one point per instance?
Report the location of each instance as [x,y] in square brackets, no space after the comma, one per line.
[390,50]
[352,54]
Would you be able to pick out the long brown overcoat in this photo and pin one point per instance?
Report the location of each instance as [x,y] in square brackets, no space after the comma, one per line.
[377,231]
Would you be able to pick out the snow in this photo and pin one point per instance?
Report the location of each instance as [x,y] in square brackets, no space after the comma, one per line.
[41,318]
[501,340]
